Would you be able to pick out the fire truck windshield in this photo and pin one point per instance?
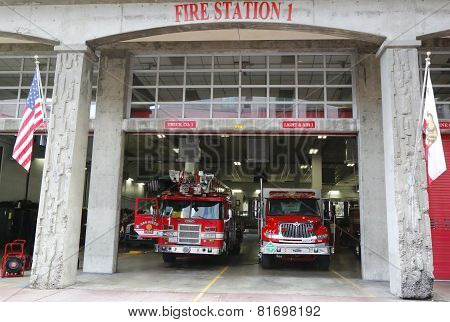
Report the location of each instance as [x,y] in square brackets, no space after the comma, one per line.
[192,209]
[293,206]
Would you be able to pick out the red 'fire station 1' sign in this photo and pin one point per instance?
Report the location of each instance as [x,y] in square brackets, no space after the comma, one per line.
[233,10]
[180,124]
[298,124]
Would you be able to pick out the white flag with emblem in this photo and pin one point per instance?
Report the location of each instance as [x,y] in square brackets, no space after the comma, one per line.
[434,150]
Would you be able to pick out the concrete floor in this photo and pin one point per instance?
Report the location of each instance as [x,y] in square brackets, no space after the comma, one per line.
[144,277]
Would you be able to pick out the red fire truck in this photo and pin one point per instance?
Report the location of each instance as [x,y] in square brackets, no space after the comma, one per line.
[292,228]
[195,218]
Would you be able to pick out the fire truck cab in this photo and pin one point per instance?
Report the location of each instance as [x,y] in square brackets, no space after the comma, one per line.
[292,227]
[195,218]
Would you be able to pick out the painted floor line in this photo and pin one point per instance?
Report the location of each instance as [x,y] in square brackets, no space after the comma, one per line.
[359,288]
[200,295]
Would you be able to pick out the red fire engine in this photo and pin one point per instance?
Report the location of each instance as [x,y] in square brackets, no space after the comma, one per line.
[195,218]
[291,227]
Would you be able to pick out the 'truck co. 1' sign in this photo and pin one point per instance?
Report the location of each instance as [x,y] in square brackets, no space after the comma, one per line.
[180,124]
[233,10]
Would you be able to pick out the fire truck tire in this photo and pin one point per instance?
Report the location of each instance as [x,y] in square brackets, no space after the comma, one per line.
[267,261]
[169,257]
[323,263]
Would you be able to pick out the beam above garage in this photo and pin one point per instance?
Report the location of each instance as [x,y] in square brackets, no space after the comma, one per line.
[242,126]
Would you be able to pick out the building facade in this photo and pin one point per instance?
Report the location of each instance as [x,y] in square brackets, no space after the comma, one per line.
[229,67]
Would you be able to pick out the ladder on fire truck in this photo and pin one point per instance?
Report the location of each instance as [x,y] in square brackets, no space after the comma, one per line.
[200,182]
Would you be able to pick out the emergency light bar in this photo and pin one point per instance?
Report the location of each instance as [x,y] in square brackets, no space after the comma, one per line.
[293,194]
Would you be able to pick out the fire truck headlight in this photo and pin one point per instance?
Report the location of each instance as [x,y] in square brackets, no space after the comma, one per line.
[268,234]
[322,236]
[168,234]
[209,236]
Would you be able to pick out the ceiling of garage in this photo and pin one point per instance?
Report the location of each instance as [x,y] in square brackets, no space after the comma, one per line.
[276,158]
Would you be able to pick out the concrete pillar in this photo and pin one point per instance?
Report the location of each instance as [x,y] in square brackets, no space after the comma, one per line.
[102,232]
[58,227]
[409,240]
[372,194]
[316,172]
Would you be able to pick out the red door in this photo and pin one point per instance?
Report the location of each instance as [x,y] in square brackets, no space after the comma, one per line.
[439,197]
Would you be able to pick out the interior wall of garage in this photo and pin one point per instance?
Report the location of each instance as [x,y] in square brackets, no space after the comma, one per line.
[13,177]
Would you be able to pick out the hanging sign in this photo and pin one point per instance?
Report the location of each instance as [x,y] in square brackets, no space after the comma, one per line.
[233,10]
[180,124]
[298,124]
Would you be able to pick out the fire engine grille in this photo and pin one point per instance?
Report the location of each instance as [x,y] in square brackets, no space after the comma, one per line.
[189,234]
[296,230]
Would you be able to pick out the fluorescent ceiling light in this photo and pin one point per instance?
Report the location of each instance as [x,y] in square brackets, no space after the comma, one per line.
[304,166]
[350,164]
[130,179]
[237,163]
[313,151]
[176,150]
[236,191]
[322,137]
[224,136]
[257,191]
[161,136]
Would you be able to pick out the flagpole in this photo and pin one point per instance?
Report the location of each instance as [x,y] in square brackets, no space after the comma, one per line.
[38,71]
[418,132]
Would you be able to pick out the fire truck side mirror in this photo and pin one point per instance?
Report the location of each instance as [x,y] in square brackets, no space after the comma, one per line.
[230,215]
[151,210]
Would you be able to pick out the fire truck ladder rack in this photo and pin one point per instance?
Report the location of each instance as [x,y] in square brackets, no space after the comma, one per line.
[208,183]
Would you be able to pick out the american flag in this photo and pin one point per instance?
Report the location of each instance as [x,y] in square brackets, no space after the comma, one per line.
[32,118]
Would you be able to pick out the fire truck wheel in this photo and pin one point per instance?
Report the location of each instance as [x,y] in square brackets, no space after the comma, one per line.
[267,261]
[169,257]
[323,263]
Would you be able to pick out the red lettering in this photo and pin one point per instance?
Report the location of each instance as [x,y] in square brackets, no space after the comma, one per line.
[227,9]
[218,10]
[178,12]
[264,9]
[275,10]
[255,10]
[247,9]
[289,12]
[193,8]
[204,11]
[185,13]
[237,12]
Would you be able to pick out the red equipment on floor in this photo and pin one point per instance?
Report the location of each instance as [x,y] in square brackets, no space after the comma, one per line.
[14,261]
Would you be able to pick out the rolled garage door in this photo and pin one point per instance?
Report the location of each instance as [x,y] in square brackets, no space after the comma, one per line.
[439,197]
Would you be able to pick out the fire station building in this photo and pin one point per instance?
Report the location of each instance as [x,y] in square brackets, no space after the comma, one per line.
[321,94]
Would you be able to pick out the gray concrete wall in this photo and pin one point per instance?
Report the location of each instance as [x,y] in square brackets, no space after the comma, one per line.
[102,234]
[58,227]
[364,19]
[409,236]
[374,248]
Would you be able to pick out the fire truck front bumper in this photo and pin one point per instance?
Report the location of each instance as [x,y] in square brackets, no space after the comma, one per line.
[296,249]
[188,249]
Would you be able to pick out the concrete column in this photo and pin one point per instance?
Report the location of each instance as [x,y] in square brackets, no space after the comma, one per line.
[372,194]
[102,233]
[316,172]
[58,227]
[409,240]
